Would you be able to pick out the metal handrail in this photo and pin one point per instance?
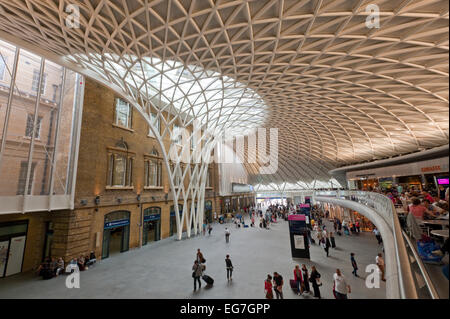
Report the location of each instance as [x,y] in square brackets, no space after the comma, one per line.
[406,279]
[433,292]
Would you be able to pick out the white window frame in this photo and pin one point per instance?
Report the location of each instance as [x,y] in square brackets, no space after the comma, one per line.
[128,114]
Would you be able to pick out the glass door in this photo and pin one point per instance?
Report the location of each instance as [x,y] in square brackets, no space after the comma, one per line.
[158,230]
[105,247]
[173,225]
[145,234]
[125,238]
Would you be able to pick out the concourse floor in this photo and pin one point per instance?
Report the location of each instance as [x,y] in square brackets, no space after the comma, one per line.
[163,269]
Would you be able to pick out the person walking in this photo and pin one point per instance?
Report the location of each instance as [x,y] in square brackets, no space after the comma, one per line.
[332,240]
[268,287]
[305,278]
[315,280]
[278,285]
[229,267]
[298,278]
[327,245]
[354,265]
[319,235]
[378,235]
[197,270]
[227,235]
[340,285]
[358,227]
[209,229]
[380,263]
[200,258]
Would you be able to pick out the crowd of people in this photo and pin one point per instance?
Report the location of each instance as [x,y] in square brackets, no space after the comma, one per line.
[305,281]
[428,203]
[53,267]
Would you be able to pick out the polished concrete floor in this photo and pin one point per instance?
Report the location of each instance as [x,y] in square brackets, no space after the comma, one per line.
[163,269]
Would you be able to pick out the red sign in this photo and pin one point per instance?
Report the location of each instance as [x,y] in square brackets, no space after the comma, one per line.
[297,217]
[431,168]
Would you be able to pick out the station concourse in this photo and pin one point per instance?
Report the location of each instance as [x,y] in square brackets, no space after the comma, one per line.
[133,133]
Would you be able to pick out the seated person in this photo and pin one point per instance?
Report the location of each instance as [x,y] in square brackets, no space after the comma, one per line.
[39,271]
[434,209]
[73,264]
[81,263]
[46,271]
[87,262]
[419,211]
[428,196]
[92,258]
[59,266]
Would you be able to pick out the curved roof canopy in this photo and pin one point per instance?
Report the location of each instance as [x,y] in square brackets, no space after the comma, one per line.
[338,91]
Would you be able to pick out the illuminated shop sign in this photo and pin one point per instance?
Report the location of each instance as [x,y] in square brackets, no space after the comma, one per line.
[431,168]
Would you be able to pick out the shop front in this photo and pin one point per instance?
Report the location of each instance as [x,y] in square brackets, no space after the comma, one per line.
[13,236]
[408,182]
[368,184]
[152,225]
[116,233]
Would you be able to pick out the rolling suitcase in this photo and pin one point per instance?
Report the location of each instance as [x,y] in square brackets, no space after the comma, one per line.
[293,284]
[208,279]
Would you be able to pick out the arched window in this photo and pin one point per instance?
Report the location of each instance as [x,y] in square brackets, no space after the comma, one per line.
[152,211]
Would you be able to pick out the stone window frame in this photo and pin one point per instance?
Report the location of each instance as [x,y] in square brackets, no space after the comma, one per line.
[112,154]
[155,158]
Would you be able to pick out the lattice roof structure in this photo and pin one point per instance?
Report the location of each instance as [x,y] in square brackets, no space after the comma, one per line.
[339,92]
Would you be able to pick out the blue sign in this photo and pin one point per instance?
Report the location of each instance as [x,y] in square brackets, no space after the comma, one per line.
[172,214]
[148,218]
[117,223]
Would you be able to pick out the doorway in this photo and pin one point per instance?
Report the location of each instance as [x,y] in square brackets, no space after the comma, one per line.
[116,233]
[152,225]
[13,236]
